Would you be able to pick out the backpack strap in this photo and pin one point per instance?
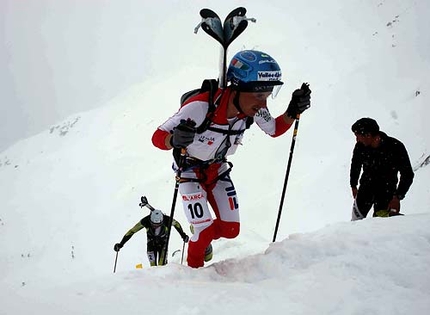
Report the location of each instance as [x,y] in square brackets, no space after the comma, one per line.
[186,96]
[226,132]
[211,86]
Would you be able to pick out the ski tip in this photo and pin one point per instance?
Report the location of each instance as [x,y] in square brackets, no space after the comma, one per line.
[206,13]
[176,252]
[240,11]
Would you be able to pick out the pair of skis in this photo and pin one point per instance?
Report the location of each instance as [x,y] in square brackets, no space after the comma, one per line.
[225,33]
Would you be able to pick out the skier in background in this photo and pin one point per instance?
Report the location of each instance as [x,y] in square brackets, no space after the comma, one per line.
[156,225]
[253,76]
[381,158]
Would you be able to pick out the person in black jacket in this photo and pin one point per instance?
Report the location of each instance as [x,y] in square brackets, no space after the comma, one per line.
[381,158]
[156,225]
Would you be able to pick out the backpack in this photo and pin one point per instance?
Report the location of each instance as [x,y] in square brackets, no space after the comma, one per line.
[211,86]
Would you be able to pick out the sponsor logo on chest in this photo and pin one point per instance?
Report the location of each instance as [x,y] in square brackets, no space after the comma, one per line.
[207,140]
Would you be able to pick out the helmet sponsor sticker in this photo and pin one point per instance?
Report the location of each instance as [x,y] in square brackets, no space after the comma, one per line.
[269,75]
[266,61]
[239,64]
[248,55]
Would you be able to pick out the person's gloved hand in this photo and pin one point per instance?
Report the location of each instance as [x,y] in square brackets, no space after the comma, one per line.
[183,134]
[354,191]
[117,247]
[300,101]
[186,238]
[394,205]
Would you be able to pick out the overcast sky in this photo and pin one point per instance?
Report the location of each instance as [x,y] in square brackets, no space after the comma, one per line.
[62,57]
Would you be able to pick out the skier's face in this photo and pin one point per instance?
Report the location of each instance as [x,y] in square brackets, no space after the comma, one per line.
[365,139]
[251,103]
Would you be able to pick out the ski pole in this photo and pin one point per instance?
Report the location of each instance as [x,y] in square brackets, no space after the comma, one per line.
[287,173]
[116,259]
[182,256]
[175,196]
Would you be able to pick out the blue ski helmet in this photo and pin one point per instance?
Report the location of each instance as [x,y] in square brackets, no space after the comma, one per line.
[254,71]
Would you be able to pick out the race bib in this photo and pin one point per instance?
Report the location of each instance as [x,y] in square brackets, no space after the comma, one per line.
[196,209]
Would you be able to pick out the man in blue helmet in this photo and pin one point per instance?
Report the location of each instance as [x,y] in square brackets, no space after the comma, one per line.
[205,178]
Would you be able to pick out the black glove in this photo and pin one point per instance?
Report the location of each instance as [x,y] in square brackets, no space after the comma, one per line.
[186,238]
[117,247]
[300,101]
[183,134]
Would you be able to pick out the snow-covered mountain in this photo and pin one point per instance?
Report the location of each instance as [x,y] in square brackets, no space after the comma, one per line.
[69,193]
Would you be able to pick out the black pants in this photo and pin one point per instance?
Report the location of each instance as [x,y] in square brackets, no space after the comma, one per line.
[374,195]
[155,251]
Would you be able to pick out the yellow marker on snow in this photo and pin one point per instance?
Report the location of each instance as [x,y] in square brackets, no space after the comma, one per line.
[139,266]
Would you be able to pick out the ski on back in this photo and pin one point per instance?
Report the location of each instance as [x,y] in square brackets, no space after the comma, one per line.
[225,33]
[234,24]
[211,24]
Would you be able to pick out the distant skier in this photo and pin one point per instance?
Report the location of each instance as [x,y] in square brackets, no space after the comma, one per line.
[253,77]
[156,225]
[381,158]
